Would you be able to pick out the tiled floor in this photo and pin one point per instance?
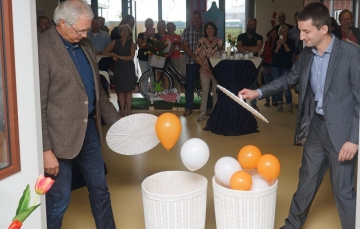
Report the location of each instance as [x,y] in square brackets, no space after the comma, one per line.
[127,172]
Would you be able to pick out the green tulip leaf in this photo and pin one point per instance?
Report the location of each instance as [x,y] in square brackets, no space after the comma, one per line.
[24,201]
[24,214]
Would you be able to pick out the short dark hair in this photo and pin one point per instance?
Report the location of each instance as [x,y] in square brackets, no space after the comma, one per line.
[345,11]
[318,13]
[212,24]
[196,12]
[171,24]
[252,19]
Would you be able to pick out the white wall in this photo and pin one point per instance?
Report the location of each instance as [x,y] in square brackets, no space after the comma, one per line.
[28,100]
[264,10]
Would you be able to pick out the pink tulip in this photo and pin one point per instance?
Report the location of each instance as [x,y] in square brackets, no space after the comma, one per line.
[43,184]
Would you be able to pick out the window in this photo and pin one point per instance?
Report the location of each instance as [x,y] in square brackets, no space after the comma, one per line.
[9,136]
[234,18]
[335,6]
[175,11]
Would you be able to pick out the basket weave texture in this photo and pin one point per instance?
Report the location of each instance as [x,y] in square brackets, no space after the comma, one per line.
[244,209]
[157,61]
[174,200]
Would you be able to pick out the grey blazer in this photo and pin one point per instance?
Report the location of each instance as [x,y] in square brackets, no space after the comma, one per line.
[64,102]
[341,93]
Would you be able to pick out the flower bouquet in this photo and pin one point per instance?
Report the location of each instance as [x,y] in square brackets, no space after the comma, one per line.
[232,41]
[43,184]
[158,51]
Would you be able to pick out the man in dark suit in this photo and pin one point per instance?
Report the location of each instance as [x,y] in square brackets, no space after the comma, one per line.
[71,106]
[328,75]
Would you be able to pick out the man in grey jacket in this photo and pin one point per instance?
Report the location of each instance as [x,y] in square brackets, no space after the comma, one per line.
[71,106]
[328,75]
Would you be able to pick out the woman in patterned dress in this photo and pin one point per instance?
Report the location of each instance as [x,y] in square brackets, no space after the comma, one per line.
[207,47]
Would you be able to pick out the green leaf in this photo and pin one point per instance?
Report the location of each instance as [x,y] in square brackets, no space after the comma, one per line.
[24,201]
[24,214]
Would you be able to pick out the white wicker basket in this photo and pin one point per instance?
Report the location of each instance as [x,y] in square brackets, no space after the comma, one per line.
[174,200]
[244,209]
[157,61]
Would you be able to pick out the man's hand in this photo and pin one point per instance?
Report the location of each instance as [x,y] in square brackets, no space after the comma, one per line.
[248,94]
[51,164]
[347,151]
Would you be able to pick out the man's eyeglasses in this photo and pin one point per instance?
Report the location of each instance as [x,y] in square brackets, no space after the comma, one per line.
[79,32]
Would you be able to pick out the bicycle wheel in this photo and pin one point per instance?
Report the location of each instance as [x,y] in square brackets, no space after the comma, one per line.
[154,80]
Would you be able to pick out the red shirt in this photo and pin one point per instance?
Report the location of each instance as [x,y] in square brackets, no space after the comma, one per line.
[175,53]
[350,36]
[267,52]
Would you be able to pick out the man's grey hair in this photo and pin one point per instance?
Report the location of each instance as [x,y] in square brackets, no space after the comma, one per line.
[71,10]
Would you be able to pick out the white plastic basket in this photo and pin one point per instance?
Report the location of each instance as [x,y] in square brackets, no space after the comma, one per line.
[236,209]
[157,61]
[174,200]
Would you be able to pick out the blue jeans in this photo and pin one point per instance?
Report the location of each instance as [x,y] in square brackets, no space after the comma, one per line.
[277,72]
[268,78]
[90,164]
[192,73]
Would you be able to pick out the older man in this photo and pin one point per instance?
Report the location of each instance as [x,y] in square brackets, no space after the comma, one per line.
[282,21]
[98,37]
[71,105]
[189,40]
[346,31]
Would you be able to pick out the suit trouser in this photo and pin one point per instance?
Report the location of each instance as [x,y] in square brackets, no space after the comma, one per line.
[319,155]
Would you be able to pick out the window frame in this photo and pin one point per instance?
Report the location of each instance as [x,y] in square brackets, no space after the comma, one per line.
[9,89]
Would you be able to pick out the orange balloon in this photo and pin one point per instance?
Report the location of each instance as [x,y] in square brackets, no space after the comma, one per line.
[168,129]
[248,156]
[268,167]
[241,180]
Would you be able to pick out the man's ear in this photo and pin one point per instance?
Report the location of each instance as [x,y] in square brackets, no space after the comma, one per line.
[62,23]
[324,29]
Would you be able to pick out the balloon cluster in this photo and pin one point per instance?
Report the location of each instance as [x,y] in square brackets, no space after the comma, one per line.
[252,171]
[194,152]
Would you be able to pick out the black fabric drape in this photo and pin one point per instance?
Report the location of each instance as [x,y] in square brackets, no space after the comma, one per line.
[228,117]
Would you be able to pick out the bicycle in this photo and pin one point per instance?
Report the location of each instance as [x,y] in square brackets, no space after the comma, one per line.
[162,79]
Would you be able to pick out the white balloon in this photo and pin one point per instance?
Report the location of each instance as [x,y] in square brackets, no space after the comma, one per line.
[225,167]
[254,174]
[259,185]
[194,153]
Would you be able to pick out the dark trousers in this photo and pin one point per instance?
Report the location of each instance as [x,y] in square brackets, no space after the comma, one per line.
[90,163]
[319,155]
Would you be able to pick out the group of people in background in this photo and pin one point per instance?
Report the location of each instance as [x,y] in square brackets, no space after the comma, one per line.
[279,52]
[283,47]
[71,110]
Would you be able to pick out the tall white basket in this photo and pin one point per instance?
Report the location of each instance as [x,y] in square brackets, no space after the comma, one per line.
[174,200]
[236,209]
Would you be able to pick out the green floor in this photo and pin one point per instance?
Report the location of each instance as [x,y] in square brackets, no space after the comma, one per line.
[141,102]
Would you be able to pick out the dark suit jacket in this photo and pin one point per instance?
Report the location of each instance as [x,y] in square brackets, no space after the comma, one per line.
[341,102]
[356,32]
[64,101]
